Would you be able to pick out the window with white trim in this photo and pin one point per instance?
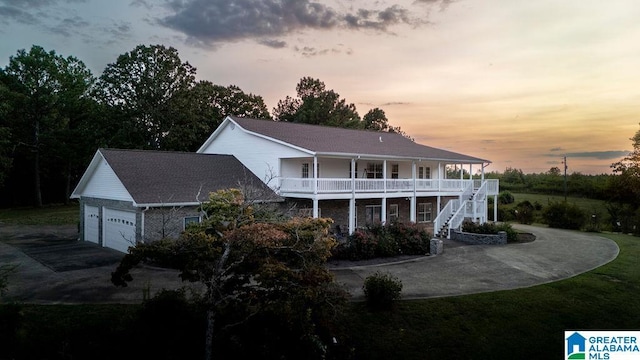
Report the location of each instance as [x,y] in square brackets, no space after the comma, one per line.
[394,213]
[356,172]
[373,214]
[374,171]
[394,171]
[424,172]
[188,220]
[305,170]
[424,212]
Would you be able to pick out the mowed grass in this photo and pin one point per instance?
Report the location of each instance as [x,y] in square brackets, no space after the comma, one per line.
[525,323]
[48,215]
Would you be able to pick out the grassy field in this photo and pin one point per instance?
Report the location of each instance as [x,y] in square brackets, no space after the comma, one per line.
[48,215]
[525,323]
[589,206]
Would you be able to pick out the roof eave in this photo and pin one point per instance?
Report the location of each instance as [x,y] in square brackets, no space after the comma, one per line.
[395,157]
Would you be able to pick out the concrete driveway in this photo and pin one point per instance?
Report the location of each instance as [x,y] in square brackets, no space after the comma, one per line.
[554,255]
[52,267]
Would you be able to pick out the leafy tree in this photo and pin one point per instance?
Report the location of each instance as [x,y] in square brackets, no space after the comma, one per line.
[514,176]
[317,105]
[46,95]
[6,160]
[554,171]
[204,107]
[257,275]
[145,91]
[376,119]
[625,187]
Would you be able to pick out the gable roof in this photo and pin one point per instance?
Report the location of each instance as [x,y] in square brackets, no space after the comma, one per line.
[340,141]
[159,178]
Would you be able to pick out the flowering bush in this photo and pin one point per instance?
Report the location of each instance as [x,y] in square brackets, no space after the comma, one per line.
[384,241]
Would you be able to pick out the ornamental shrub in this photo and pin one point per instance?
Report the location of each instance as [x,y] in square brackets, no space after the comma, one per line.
[505,197]
[383,241]
[563,215]
[491,228]
[381,290]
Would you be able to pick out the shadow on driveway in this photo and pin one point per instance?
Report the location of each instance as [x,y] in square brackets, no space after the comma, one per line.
[65,254]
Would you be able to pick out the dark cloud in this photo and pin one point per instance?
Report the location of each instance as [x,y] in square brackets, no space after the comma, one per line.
[556,149]
[276,44]
[211,22]
[10,13]
[69,26]
[599,155]
[394,103]
[309,51]
[141,3]
[118,30]
[31,12]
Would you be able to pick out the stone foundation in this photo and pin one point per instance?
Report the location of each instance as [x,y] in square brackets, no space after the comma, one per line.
[479,239]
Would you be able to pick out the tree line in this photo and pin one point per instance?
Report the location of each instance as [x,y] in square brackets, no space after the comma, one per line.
[54,114]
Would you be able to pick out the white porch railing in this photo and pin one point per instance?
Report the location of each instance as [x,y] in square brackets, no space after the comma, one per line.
[341,185]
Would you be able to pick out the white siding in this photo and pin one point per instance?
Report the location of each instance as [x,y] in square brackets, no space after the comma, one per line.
[259,155]
[334,168]
[104,184]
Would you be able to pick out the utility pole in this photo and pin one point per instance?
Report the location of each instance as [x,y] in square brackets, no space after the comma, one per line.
[564,161]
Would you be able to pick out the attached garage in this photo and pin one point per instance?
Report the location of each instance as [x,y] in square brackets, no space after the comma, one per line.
[119,229]
[133,196]
[91,224]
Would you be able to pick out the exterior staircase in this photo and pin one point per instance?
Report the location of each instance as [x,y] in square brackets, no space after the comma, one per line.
[472,204]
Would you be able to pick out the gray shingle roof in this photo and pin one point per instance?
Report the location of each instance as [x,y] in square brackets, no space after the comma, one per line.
[158,177]
[326,140]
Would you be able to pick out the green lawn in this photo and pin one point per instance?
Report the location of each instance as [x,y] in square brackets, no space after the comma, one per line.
[48,215]
[526,323]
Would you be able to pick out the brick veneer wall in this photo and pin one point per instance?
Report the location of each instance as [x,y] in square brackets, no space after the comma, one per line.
[167,222]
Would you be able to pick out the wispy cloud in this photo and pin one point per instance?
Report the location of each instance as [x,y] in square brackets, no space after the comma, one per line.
[600,155]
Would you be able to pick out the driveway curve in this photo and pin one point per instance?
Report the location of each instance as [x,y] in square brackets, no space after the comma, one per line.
[554,255]
[55,268]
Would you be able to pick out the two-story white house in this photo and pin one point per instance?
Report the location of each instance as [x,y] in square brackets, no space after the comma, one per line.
[357,177]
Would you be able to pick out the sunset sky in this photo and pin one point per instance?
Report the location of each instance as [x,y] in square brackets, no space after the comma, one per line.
[521,83]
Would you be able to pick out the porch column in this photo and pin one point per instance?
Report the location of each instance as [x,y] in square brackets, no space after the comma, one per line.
[315,176]
[352,215]
[440,176]
[470,171]
[461,172]
[315,208]
[412,209]
[495,208]
[352,201]
[384,175]
[383,211]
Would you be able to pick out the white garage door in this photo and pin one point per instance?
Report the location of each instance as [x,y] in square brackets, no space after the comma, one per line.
[91,223]
[119,229]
